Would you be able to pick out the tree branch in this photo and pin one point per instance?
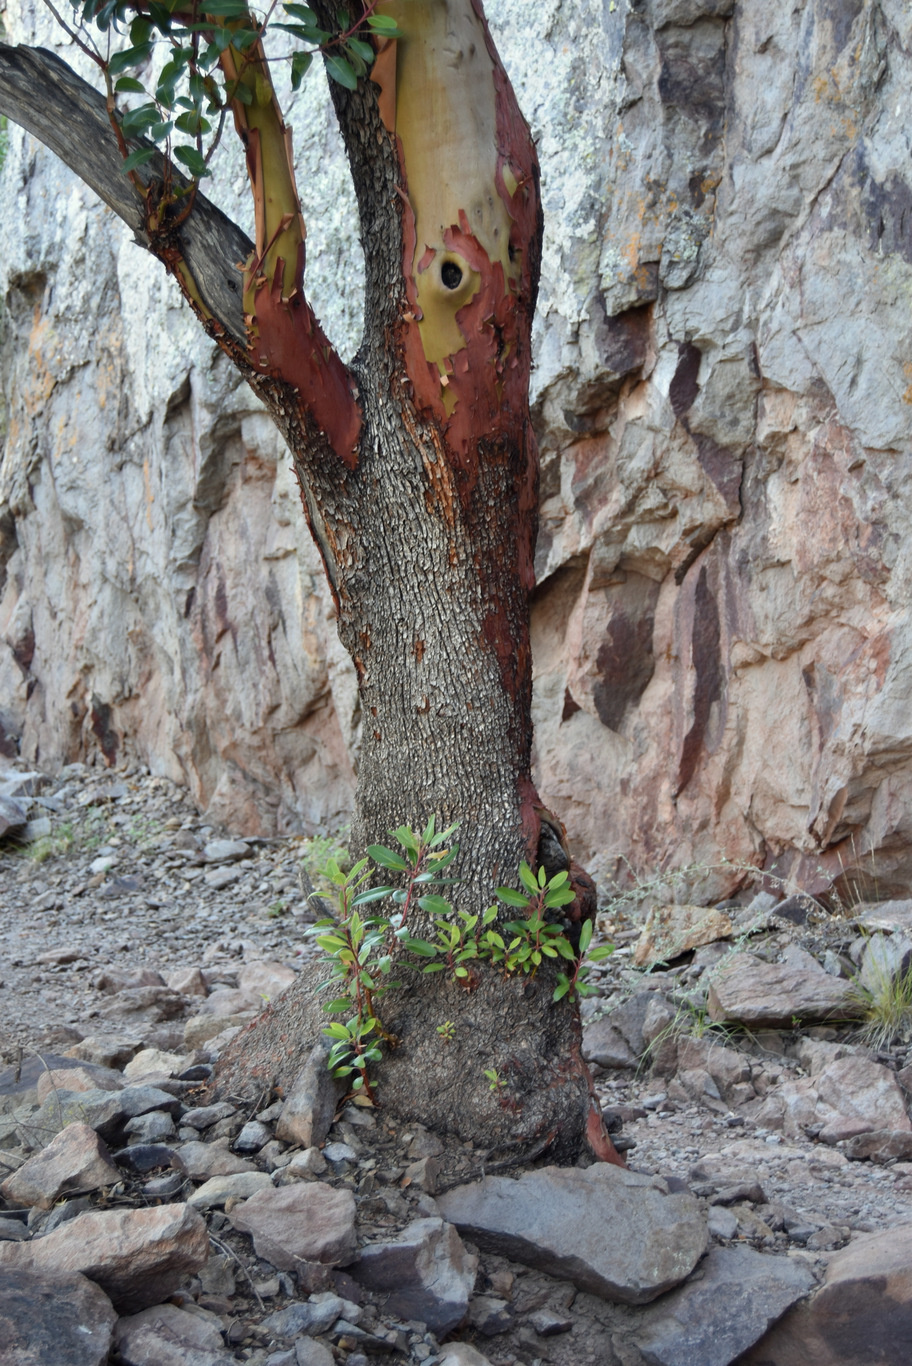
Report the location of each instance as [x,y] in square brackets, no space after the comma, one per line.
[43,94]
[276,333]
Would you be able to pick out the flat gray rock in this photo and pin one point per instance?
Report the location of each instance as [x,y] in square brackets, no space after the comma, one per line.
[104,1111]
[731,1302]
[615,1233]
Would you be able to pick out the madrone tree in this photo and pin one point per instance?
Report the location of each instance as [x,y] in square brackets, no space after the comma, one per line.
[417,462]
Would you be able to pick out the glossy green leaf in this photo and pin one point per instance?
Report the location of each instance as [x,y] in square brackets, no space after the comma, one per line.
[387,858]
[384,26]
[528,878]
[137,158]
[510,897]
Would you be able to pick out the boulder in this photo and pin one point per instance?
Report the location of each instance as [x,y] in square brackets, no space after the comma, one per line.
[13,817]
[862,1313]
[426,1274]
[312,1317]
[218,1190]
[104,1111]
[265,981]
[169,1336]
[710,1320]
[84,1078]
[75,1160]
[749,991]
[310,1105]
[615,1233]
[670,931]
[205,1160]
[53,1319]
[302,1222]
[137,1256]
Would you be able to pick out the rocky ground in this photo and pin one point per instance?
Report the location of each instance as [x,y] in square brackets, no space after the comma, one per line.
[300,1231]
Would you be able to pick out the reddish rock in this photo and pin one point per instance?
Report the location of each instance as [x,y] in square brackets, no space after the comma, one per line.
[304,1222]
[76,1160]
[310,1104]
[265,981]
[77,1079]
[752,992]
[138,1256]
[670,931]
[169,1336]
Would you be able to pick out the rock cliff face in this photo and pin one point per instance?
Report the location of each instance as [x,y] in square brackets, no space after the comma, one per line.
[722,625]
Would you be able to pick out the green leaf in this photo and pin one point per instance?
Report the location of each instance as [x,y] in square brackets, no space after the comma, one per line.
[140,31]
[160,16]
[137,158]
[138,120]
[561,989]
[565,949]
[225,9]
[428,833]
[585,938]
[435,905]
[129,85]
[558,880]
[562,896]
[131,56]
[407,838]
[338,1031]
[509,897]
[340,1003]
[528,878]
[421,947]
[435,967]
[603,951]
[302,12]
[387,858]
[372,894]
[244,37]
[159,131]
[190,157]
[443,859]
[384,25]
[300,65]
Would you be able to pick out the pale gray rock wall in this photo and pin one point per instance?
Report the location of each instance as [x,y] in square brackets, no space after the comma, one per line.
[723,384]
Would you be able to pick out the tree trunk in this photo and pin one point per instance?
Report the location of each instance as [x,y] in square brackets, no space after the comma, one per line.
[428,541]
[419,477]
